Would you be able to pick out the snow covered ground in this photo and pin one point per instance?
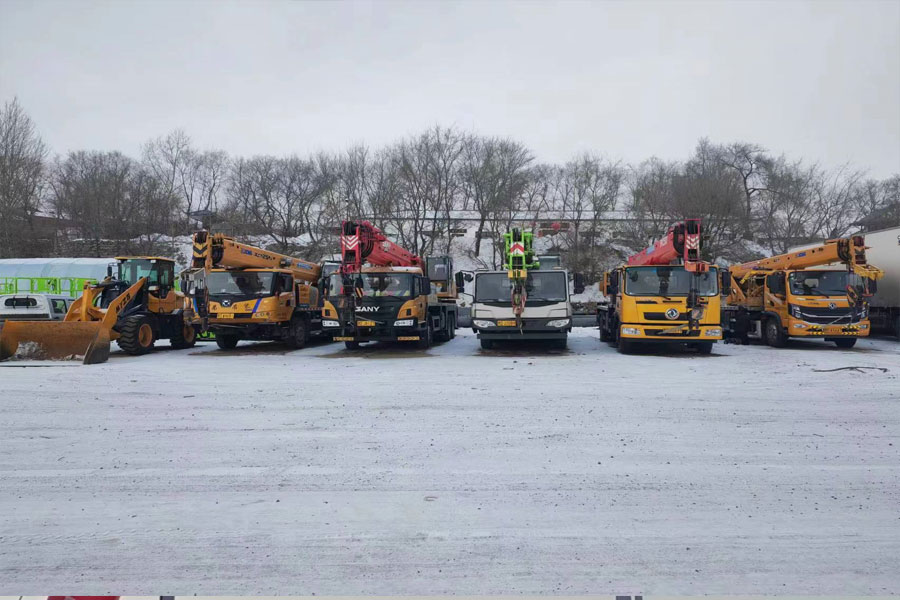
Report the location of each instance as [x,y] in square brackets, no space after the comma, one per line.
[396,471]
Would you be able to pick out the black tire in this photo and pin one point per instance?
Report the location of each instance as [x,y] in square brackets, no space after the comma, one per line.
[226,341]
[625,346]
[487,344]
[704,347]
[137,335]
[774,334]
[604,332]
[444,334]
[184,337]
[298,334]
[845,342]
[426,339]
[452,326]
[351,345]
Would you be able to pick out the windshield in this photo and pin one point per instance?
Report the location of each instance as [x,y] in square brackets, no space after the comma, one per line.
[375,285]
[668,281]
[819,283]
[134,269]
[540,286]
[240,283]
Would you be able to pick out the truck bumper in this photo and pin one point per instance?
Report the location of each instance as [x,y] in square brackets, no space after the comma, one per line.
[381,334]
[670,333]
[799,329]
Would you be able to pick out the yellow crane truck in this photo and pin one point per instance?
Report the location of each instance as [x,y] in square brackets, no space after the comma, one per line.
[241,292]
[787,296]
[135,308]
[664,293]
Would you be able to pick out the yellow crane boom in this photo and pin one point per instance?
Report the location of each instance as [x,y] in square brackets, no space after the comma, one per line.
[218,251]
[850,251]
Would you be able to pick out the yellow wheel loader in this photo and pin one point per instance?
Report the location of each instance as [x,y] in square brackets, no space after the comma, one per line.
[135,309]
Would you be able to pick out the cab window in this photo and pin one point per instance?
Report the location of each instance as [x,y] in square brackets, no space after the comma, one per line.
[59,306]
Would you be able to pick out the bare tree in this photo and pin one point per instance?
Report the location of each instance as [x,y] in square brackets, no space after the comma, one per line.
[22,156]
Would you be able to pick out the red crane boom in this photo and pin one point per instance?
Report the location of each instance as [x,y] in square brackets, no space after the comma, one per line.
[682,241]
[362,242]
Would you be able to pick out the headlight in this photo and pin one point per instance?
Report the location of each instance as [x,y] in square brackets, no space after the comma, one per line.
[631,331]
[714,332]
[482,324]
[799,325]
[329,323]
[795,310]
[404,323]
[558,323]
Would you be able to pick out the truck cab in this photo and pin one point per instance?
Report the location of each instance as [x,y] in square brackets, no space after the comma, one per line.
[547,314]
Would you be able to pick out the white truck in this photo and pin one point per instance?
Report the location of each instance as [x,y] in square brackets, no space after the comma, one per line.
[884,306]
[34,307]
[547,314]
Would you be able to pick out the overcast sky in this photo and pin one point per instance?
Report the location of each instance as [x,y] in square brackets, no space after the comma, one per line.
[818,80]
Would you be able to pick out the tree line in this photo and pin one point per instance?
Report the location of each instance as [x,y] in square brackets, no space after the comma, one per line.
[425,190]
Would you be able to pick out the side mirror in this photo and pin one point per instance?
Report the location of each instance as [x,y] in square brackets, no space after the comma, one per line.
[725,282]
[775,283]
[109,270]
[578,283]
[460,281]
[871,287]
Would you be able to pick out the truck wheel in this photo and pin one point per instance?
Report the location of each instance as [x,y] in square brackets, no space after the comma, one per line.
[426,339]
[625,346]
[298,333]
[452,326]
[487,344]
[774,335]
[845,342]
[137,336]
[604,332]
[226,341]
[184,337]
[704,347]
[444,334]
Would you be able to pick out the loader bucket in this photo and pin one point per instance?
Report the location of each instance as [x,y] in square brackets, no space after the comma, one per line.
[55,340]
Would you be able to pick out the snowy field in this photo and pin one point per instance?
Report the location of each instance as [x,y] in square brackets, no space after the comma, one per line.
[396,471]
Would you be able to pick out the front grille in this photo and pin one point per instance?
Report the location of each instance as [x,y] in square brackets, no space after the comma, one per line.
[661,316]
[689,333]
[825,315]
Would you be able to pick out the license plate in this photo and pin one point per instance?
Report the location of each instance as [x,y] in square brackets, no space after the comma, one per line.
[407,338]
[365,323]
[506,323]
[342,339]
[225,316]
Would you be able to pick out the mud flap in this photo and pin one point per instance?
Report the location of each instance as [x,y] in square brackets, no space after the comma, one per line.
[55,340]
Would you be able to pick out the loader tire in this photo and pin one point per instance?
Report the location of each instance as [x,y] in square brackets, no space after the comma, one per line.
[226,341]
[185,337]
[845,342]
[298,335]
[137,336]
[774,334]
